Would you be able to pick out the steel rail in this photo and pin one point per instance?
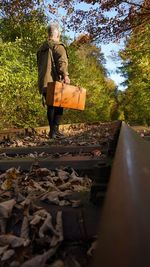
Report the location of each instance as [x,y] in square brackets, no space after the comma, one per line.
[124,232]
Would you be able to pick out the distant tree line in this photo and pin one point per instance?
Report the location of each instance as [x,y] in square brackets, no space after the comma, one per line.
[135,100]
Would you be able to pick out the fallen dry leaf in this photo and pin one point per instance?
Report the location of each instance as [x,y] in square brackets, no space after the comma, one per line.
[46,226]
[40,260]
[3,223]
[58,238]
[6,208]
[65,186]
[10,175]
[57,263]
[75,203]
[7,254]
[63,175]
[25,229]
[12,240]
[3,249]
[96,153]
[92,248]
[36,219]
[15,264]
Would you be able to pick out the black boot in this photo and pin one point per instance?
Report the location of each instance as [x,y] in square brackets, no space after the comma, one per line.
[54,122]
[54,133]
[56,126]
[57,132]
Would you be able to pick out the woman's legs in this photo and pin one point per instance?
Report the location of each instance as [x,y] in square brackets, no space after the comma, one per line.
[54,115]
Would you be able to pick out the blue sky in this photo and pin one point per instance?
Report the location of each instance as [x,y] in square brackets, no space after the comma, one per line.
[111,63]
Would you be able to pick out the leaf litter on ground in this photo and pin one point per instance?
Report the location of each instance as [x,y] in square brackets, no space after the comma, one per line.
[26,226]
[80,134]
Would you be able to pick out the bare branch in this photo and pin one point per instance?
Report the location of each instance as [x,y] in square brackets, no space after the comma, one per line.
[137,5]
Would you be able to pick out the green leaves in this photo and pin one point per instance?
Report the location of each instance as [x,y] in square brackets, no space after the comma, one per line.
[136,58]
[22,31]
[19,95]
[86,70]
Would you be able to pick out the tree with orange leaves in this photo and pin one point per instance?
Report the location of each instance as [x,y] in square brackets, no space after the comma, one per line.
[105,19]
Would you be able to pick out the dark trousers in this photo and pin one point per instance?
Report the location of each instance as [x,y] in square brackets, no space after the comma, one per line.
[54,115]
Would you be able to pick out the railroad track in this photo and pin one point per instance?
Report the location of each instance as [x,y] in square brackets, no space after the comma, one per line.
[116,197]
[80,157]
[80,224]
[124,229]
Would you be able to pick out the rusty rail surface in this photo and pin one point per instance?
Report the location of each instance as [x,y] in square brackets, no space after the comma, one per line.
[124,233]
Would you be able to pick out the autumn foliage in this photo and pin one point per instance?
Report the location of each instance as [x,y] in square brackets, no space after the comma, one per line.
[105,19]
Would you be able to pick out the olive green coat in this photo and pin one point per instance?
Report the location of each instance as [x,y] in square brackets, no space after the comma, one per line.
[52,60]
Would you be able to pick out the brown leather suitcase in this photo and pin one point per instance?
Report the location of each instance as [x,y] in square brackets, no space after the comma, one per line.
[65,95]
